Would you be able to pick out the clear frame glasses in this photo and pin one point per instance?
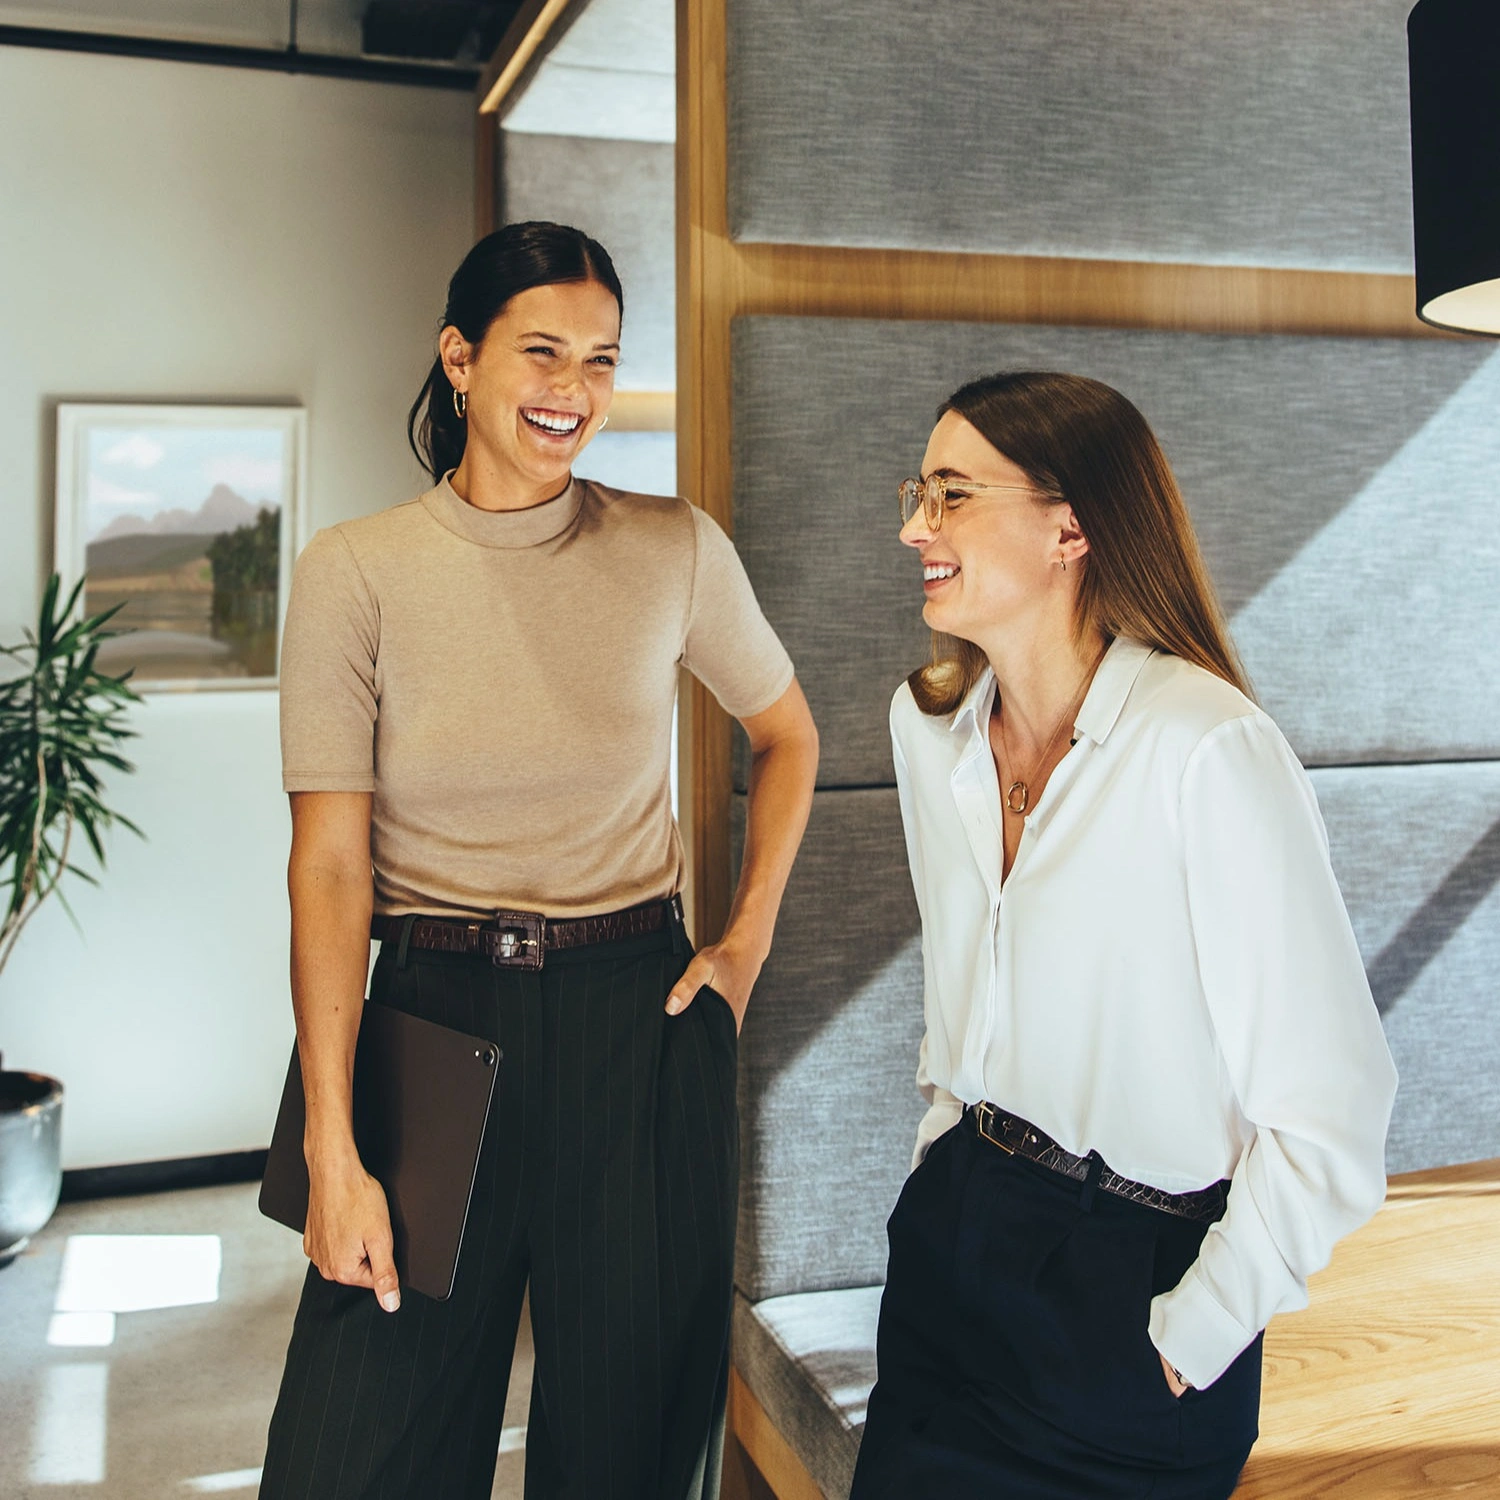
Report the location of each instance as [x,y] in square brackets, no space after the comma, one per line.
[931,494]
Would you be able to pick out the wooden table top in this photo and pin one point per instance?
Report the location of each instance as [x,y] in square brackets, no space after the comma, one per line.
[1388,1385]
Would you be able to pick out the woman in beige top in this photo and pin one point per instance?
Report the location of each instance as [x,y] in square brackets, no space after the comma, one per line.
[477,696]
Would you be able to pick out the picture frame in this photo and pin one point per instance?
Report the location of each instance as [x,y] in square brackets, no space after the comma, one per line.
[190,517]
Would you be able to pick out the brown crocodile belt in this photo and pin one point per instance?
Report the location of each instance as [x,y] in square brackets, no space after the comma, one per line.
[522,939]
[1018,1137]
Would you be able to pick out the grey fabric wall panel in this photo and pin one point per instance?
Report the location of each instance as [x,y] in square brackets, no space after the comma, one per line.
[1417,853]
[1265,132]
[1344,490]
[622,193]
[828,1103]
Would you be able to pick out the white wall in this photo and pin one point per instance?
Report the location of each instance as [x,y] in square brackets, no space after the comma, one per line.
[172,232]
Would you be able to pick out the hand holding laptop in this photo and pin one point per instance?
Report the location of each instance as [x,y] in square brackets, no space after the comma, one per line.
[394,1202]
[348,1234]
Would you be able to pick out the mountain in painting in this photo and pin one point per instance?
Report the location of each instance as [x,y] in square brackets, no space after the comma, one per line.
[223,510]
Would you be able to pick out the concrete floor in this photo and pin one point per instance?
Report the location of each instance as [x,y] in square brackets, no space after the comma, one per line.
[177,1403]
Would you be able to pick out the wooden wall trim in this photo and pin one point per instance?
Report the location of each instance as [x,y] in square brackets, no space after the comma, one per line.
[706,290]
[643,411]
[523,37]
[487,205]
[812,281]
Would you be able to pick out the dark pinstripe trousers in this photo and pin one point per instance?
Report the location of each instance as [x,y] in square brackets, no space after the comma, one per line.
[607,1179]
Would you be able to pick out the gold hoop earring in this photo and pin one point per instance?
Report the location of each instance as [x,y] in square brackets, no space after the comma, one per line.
[460,403]
[604,424]
[1062,562]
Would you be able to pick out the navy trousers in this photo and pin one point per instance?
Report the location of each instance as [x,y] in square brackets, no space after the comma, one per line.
[607,1179]
[1013,1353]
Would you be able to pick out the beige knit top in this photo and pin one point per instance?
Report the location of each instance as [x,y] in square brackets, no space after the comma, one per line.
[503,683]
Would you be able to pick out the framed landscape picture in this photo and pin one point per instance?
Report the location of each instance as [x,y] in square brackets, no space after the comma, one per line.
[190,518]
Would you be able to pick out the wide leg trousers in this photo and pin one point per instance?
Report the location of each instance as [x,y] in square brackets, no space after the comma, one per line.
[1013,1353]
[607,1179]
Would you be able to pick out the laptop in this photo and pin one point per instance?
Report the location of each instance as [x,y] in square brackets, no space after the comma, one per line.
[422,1094]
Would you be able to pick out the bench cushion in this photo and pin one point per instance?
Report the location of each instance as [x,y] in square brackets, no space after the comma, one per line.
[809,1359]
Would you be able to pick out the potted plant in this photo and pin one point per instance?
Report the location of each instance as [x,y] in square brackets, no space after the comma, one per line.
[61,722]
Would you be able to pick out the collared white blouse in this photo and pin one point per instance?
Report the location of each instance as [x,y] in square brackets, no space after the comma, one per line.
[1167,975]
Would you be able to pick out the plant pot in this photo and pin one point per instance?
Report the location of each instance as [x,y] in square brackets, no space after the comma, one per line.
[30,1157]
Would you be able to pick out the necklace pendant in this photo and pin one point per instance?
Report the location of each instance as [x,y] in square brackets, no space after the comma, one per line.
[1018,798]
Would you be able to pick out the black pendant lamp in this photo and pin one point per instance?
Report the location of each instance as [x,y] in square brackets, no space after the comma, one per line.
[1454,52]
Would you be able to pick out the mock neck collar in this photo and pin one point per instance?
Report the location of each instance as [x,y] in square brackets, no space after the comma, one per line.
[512,529]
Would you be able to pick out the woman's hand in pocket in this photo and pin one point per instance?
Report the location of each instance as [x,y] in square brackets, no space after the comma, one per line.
[724,967]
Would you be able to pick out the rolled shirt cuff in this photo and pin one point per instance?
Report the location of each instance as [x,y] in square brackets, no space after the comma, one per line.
[1198,1336]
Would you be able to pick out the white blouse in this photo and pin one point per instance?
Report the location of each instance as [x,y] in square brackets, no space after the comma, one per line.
[1167,975]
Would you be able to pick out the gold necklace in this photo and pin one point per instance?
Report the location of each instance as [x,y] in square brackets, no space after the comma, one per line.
[1018,795]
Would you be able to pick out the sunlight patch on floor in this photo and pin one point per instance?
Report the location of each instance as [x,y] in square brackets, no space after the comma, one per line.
[69,1440]
[118,1273]
[81,1330]
[223,1484]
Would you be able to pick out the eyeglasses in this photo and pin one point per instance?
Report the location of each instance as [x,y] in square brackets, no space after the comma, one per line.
[932,494]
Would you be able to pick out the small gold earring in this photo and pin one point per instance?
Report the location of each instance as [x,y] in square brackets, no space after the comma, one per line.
[460,403]
[604,424]
[1063,564]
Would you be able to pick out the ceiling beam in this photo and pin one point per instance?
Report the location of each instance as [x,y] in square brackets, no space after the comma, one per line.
[228,55]
[523,37]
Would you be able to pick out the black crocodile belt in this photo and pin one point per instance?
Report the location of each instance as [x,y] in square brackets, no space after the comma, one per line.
[1018,1137]
[522,939]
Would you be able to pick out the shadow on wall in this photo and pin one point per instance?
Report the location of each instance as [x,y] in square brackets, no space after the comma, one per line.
[1432,925]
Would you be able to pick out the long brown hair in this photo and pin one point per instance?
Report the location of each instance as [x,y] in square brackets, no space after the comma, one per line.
[1081,442]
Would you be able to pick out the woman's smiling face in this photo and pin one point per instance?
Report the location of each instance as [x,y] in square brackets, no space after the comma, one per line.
[540,383]
[995,553]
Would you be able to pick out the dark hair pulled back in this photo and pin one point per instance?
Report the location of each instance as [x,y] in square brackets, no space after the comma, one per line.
[501,266]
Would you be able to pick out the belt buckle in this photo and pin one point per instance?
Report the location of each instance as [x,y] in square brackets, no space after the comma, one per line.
[984,1113]
[520,940]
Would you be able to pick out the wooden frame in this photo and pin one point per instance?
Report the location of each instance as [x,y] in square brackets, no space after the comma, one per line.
[719,279]
[779,1471]
[486,174]
[643,411]
[522,41]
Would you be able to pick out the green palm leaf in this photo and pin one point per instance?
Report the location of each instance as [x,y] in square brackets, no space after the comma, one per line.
[62,720]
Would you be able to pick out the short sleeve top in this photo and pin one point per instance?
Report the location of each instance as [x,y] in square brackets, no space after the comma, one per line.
[504,683]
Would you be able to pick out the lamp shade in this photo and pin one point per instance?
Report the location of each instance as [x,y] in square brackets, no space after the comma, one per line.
[1453,48]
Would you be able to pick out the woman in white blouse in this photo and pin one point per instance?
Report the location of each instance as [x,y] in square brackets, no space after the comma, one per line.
[1159,1085]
